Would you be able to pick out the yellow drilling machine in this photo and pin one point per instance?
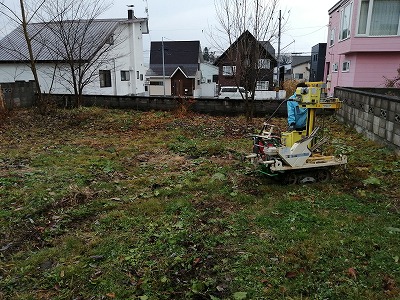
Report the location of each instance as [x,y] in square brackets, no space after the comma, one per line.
[292,156]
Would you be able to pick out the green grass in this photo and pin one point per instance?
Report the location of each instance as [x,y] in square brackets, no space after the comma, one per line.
[111,204]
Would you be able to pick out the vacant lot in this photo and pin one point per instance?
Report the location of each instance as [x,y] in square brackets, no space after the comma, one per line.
[109,204]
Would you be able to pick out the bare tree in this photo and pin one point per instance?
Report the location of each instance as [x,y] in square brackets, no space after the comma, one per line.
[77,43]
[393,82]
[247,28]
[2,102]
[208,56]
[66,33]
[286,59]
[24,18]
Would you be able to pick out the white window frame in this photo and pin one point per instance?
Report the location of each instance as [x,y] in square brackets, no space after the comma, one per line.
[342,23]
[335,68]
[368,21]
[228,70]
[125,75]
[264,63]
[262,85]
[346,66]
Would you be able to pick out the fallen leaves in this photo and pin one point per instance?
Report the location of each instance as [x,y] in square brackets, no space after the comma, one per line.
[352,273]
[295,273]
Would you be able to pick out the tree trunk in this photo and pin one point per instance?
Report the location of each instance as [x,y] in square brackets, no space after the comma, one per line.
[40,101]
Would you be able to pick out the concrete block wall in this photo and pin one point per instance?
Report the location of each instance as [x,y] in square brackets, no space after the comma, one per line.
[375,113]
[210,106]
[18,94]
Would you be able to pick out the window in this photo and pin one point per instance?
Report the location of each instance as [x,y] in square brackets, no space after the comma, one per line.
[125,76]
[379,17]
[362,20]
[105,78]
[298,76]
[229,89]
[332,39]
[228,70]
[345,22]
[262,85]
[156,83]
[141,77]
[264,63]
[335,67]
[346,66]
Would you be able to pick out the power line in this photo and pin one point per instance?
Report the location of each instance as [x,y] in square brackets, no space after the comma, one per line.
[312,31]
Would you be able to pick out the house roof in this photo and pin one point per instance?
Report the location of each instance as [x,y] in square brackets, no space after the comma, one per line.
[299,60]
[177,54]
[264,44]
[46,39]
[336,5]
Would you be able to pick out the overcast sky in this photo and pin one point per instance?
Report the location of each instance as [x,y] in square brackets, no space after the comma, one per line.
[195,20]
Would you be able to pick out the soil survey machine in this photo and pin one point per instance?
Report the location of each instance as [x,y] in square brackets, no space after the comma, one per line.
[291,156]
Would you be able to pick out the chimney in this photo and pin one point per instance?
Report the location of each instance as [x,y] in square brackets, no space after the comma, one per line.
[130,14]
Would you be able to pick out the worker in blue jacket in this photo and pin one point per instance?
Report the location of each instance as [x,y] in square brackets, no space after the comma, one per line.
[297,116]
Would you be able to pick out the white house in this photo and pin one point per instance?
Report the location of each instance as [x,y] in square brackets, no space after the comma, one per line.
[301,67]
[110,56]
[209,78]
[209,72]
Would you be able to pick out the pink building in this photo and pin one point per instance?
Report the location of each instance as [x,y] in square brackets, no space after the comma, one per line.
[363,43]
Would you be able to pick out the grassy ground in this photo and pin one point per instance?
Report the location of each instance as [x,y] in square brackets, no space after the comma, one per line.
[109,204]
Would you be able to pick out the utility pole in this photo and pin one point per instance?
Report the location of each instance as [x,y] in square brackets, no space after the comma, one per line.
[279,53]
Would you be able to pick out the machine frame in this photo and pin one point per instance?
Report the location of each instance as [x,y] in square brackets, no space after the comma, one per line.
[290,156]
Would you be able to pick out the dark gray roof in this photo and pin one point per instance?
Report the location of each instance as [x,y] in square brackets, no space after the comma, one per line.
[299,60]
[157,69]
[251,40]
[267,46]
[182,54]
[46,39]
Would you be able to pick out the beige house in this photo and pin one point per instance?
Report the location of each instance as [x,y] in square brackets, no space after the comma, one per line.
[301,68]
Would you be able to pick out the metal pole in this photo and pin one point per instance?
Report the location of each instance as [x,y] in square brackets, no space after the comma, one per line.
[163,62]
[279,51]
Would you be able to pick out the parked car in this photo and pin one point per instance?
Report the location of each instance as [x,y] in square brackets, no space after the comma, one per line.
[231,92]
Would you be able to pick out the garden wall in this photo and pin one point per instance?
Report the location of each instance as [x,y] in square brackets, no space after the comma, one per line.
[210,106]
[18,94]
[21,94]
[372,112]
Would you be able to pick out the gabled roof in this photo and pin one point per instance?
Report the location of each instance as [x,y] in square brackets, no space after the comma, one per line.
[247,35]
[46,39]
[299,60]
[184,55]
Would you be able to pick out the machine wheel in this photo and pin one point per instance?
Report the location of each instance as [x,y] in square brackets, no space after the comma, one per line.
[324,175]
[291,178]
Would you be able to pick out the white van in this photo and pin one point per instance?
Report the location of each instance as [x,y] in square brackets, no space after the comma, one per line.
[231,92]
